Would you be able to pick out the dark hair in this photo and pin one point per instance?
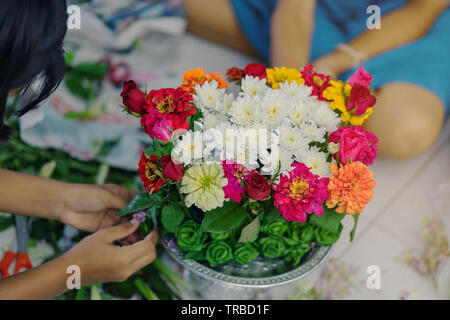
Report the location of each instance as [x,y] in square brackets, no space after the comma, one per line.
[31,36]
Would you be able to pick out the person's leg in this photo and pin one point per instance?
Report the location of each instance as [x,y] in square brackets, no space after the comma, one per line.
[215,21]
[407,119]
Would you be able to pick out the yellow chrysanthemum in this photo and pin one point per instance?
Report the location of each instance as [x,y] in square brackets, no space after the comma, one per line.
[338,93]
[276,76]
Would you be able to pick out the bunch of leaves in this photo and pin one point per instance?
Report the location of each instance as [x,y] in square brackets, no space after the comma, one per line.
[233,231]
[84,80]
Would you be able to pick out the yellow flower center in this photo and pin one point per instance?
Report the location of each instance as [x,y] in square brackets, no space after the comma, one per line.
[298,188]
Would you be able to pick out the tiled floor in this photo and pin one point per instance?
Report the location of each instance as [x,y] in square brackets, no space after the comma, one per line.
[406,191]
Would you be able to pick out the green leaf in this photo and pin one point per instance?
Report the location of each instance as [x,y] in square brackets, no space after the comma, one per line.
[152,215]
[250,231]
[141,202]
[91,70]
[270,214]
[352,233]
[172,216]
[75,85]
[224,219]
[68,57]
[329,220]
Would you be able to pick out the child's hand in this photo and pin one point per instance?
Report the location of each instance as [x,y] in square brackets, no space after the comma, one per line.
[93,207]
[101,261]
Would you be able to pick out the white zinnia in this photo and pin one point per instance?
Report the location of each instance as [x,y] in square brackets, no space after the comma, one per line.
[203,185]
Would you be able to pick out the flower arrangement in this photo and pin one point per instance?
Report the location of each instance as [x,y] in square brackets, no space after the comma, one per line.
[270,170]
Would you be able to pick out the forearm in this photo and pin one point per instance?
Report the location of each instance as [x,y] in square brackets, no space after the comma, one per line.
[44,282]
[291,33]
[30,195]
[399,27]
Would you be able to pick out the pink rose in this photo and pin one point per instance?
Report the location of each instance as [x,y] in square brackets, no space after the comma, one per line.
[157,126]
[361,76]
[355,143]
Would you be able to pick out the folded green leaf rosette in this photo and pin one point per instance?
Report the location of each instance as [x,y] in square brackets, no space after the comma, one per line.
[325,237]
[244,253]
[301,232]
[189,236]
[272,246]
[219,236]
[218,252]
[294,254]
[276,227]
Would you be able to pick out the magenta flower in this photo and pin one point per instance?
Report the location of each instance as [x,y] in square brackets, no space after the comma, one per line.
[300,193]
[361,76]
[157,126]
[355,143]
[235,173]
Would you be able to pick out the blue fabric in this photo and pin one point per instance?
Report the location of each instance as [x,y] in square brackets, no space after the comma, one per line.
[425,62]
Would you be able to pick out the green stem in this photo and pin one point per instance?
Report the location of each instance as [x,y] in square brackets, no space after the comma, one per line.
[352,233]
[145,289]
[171,276]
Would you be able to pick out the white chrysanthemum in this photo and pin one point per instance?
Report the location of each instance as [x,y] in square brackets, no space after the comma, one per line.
[286,160]
[300,113]
[295,90]
[274,109]
[270,161]
[254,86]
[188,147]
[292,139]
[316,161]
[245,111]
[208,95]
[202,184]
[312,132]
[325,117]
[333,147]
[212,120]
[224,105]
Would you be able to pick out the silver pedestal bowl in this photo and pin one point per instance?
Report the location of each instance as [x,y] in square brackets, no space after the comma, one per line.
[246,282]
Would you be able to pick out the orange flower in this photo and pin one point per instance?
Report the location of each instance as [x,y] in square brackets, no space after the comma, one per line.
[200,76]
[350,188]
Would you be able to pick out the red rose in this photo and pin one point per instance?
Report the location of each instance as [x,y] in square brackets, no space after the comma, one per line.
[361,99]
[133,98]
[257,186]
[171,170]
[256,70]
